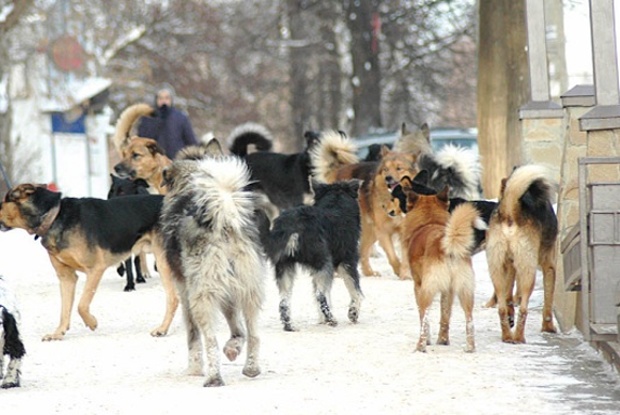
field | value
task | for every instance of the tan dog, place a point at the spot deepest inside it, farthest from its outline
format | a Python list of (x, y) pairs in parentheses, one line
[(141, 158), (521, 237), (89, 235), (439, 248)]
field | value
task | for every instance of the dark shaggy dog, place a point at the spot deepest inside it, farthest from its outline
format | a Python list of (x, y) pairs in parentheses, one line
[(125, 187), (214, 251), (88, 235), (521, 237), (10, 341), (322, 238), (285, 178)]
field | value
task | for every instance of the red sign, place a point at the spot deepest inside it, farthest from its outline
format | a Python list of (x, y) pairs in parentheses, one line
[(67, 54)]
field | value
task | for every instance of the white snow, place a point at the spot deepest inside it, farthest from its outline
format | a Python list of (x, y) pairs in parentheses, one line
[(367, 368)]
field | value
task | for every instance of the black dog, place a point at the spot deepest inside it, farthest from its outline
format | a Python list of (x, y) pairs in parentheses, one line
[(322, 238), (418, 185), (284, 178), (124, 187), (10, 341)]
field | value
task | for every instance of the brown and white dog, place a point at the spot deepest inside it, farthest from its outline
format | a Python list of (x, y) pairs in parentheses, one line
[(439, 248), (520, 239)]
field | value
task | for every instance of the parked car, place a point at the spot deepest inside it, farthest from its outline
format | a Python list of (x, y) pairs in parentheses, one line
[(441, 136)]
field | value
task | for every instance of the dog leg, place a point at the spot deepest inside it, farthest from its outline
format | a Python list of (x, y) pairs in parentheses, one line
[(251, 368), (447, 298), (214, 378), (466, 298), (284, 280), (195, 361), (92, 282), (352, 283), (167, 282), (142, 269), (385, 240), (11, 380), (424, 300), (548, 269), (233, 346), (526, 277), (322, 282), (68, 280), (367, 240), (130, 286)]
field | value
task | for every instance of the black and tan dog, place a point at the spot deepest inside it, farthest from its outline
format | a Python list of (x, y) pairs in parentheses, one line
[(88, 235), (141, 158), (521, 238)]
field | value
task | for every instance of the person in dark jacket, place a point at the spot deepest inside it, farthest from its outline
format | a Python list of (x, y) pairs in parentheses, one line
[(170, 127)]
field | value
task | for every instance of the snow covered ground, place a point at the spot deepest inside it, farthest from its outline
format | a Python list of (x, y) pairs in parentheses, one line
[(367, 368)]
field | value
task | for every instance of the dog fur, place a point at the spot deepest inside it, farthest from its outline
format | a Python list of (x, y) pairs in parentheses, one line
[(11, 344), (439, 246), (334, 159), (124, 187), (88, 235), (284, 178), (521, 237), (456, 167), (323, 239), (141, 158), (213, 247)]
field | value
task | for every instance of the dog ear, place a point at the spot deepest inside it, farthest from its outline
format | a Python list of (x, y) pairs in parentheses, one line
[(384, 150), (167, 177), (214, 148), (412, 199), (353, 187), (20, 192), (312, 138), (403, 129), (426, 132), (154, 148), (443, 195), (422, 177), (502, 186)]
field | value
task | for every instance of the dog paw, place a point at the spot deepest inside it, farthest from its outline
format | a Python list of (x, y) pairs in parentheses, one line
[(353, 315), (470, 348), (129, 288), (140, 280), (232, 349), (159, 332), (214, 381), (289, 327), (421, 347), (548, 328), (53, 337), (251, 371), (8, 385)]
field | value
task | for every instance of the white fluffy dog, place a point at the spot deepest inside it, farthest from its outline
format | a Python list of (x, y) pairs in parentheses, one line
[(213, 248)]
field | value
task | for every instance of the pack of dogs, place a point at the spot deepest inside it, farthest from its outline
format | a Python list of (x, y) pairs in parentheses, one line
[(219, 219)]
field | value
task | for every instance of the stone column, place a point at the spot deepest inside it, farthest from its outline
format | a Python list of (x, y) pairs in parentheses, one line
[(576, 102)]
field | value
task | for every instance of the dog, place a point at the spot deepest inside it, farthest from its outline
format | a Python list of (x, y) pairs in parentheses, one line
[(456, 167), (439, 246), (522, 237), (213, 247), (398, 205), (284, 178), (323, 239), (141, 158), (88, 235), (124, 187), (334, 159), (11, 343)]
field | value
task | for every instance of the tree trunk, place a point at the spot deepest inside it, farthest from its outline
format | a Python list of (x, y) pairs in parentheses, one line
[(503, 87), (366, 77)]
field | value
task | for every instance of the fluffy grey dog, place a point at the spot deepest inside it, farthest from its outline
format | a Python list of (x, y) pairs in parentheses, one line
[(10, 341), (213, 248)]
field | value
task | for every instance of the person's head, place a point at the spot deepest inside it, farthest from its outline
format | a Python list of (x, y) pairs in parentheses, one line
[(164, 97)]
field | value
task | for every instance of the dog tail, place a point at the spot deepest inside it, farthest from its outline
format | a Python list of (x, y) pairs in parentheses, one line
[(249, 133), (459, 239), (126, 125), (529, 189), (221, 196), (333, 151), (466, 167)]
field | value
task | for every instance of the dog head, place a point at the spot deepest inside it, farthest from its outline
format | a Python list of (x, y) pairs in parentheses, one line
[(407, 184), (415, 142), (394, 166), (427, 203), (213, 148), (141, 159), (347, 187), (125, 187), (32, 207)]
